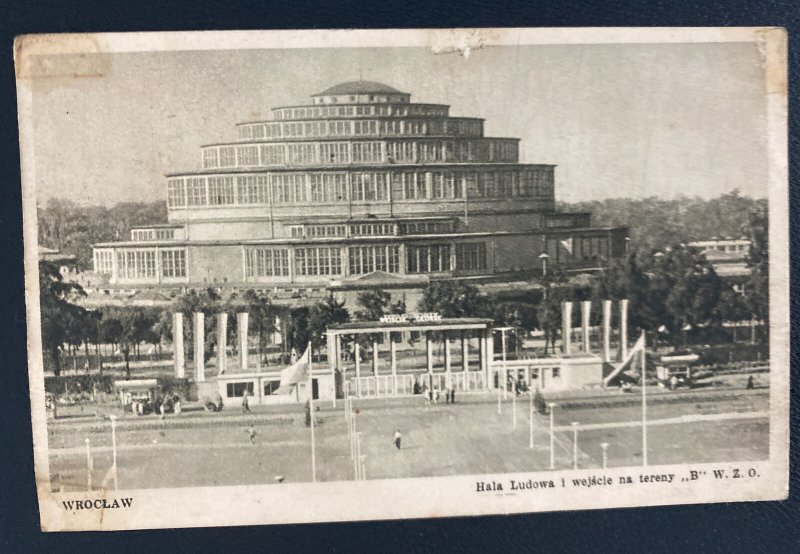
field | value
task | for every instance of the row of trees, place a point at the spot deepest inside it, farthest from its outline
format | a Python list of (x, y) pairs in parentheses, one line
[(654, 223), (669, 290)]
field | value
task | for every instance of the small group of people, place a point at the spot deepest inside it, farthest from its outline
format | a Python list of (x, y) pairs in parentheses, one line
[(433, 395), (159, 406)]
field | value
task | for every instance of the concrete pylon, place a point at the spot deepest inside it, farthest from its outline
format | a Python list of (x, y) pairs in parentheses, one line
[(606, 330), (199, 333), (242, 322), (177, 345), (586, 311), (222, 342), (623, 329), (566, 332)]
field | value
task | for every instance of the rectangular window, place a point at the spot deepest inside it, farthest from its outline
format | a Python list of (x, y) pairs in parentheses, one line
[(266, 262), (252, 189), (288, 188), (104, 261), (136, 264), (366, 259), (173, 263), (367, 152), (302, 154), (236, 390), (220, 191), (471, 256), (322, 231), (328, 187), (227, 156), (428, 258), (318, 261), (248, 155), (210, 158), (176, 196), (368, 187), (196, 191), (272, 154), (334, 152)]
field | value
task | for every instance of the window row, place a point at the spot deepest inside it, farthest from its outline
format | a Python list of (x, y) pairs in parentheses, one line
[(361, 127), (369, 229), (271, 262), (152, 234), (143, 264), (366, 109), (325, 188), (324, 153)]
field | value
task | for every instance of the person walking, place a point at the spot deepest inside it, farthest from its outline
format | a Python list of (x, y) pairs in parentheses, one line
[(246, 401), (453, 395), (252, 432), (397, 438)]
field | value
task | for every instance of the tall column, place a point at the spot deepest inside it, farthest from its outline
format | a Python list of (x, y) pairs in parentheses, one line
[(488, 352), (623, 329), (566, 332), (332, 359), (177, 345), (464, 352), (448, 382), (199, 332), (586, 311), (429, 353), (242, 323), (357, 351), (222, 342), (606, 330), (393, 355), (375, 361)]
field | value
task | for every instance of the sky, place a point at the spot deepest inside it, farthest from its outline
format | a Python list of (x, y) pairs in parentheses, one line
[(632, 120)]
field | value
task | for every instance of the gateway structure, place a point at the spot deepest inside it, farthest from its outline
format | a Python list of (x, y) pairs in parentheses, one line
[(357, 181)]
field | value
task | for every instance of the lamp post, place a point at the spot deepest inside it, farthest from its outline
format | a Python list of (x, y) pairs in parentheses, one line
[(574, 445), (552, 406), (505, 364), (113, 419), (544, 257), (88, 466), (530, 431)]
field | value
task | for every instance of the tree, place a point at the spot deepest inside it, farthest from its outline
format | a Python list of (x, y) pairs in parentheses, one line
[(262, 317), (757, 285), (373, 303), (59, 315), (321, 316), (452, 299)]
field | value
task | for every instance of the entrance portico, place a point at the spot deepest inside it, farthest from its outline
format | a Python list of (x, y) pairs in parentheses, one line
[(401, 380)]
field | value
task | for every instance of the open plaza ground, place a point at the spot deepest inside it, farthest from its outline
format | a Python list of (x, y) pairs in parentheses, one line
[(469, 437)]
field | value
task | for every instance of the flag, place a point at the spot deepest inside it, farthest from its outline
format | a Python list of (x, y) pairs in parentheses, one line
[(638, 348), (567, 244), (295, 373)]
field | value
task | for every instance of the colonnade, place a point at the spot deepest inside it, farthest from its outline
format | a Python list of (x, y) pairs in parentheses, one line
[(199, 337), (586, 307)]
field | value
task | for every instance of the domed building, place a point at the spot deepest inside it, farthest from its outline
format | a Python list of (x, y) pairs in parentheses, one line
[(359, 186)]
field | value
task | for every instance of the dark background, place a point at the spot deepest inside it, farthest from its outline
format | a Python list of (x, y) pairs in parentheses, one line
[(752, 527)]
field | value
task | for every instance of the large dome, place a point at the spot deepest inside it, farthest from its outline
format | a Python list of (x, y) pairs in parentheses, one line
[(358, 87)]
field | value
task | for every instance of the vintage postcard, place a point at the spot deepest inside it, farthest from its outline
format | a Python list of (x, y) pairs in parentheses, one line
[(313, 276)]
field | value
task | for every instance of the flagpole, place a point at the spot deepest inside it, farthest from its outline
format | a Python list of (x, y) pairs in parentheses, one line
[(311, 413), (644, 400)]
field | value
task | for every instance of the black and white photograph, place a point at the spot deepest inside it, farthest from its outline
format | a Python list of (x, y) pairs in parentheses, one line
[(309, 276)]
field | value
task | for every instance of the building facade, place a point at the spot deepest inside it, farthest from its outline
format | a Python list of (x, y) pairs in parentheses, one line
[(359, 181)]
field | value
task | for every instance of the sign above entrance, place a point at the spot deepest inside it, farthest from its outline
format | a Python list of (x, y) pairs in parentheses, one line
[(404, 318)]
